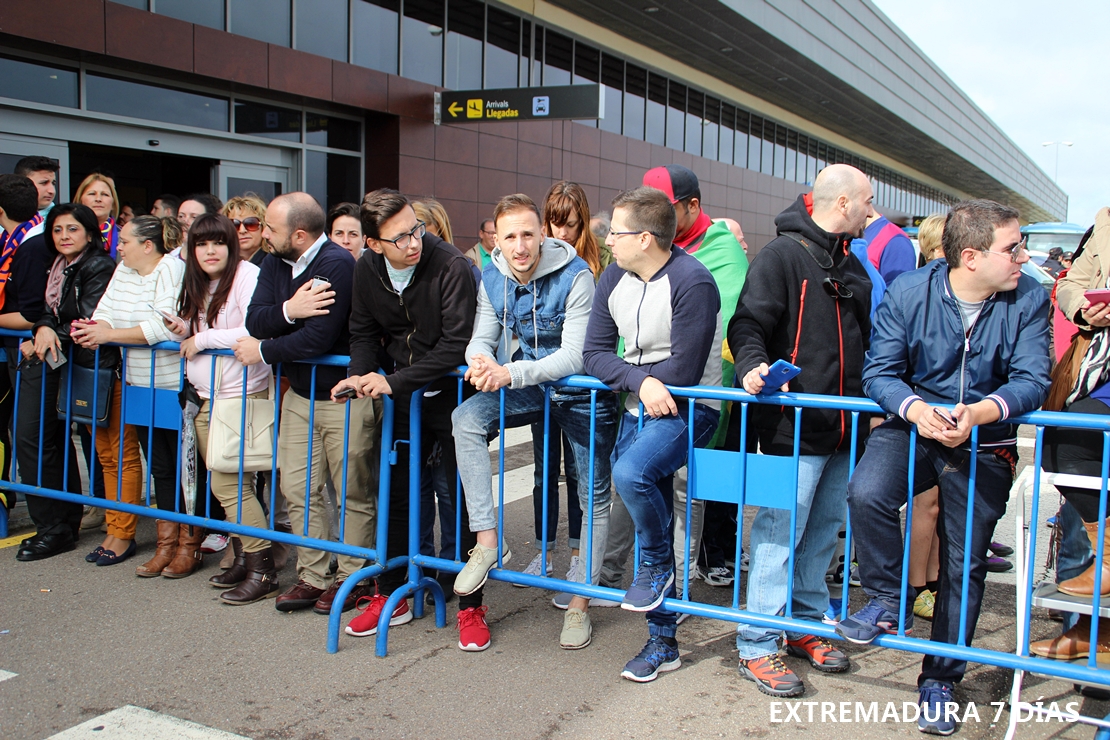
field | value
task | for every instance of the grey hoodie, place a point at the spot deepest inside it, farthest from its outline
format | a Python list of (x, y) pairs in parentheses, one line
[(489, 326)]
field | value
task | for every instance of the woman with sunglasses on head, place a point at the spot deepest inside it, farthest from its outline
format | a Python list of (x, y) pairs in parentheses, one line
[(248, 215), (214, 299), (146, 282), (78, 277), (98, 192)]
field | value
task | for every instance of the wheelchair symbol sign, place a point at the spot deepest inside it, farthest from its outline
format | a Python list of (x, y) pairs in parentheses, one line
[(541, 105)]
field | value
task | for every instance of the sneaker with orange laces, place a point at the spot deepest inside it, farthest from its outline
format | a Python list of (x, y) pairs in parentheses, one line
[(771, 676), (473, 630), (366, 623), (820, 653)]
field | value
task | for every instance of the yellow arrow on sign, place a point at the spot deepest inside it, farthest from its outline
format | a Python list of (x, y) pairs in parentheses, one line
[(455, 109)]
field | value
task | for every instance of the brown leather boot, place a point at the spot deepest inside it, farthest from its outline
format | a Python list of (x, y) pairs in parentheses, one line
[(1076, 642), (163, 553), (189, 557), (234, 575), (261, 581), (1084, 583)]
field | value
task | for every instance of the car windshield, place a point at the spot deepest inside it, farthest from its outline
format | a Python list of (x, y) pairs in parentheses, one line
[(1045, 242)]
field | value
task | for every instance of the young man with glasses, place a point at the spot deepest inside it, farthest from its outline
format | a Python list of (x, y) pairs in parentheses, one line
[(807, 301), (666, 308), (414, 293), (959, 344)]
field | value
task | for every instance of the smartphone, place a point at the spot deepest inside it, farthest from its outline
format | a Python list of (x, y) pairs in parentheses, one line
[(945, 418), (346, 393), (1098, 296), (55, 364), (164, 314), (779, 373), (317, 281)]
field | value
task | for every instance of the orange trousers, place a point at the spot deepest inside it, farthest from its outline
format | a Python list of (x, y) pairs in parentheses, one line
[(131, 473)]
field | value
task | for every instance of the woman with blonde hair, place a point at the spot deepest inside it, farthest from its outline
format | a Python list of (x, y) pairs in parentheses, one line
[(98, 192), (248, 215), (929, 237)]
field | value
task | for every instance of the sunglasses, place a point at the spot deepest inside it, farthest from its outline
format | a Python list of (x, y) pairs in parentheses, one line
[(250, 223), (836, 289)]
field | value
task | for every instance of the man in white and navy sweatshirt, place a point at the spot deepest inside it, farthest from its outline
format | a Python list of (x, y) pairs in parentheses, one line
[(665, 306)]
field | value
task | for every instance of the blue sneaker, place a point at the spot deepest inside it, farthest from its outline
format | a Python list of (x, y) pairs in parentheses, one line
[(656, 657), (648, 588), (832, 614), (870, 622), (934, 698)]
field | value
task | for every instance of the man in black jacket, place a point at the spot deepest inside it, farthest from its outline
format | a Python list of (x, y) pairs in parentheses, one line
[(806, 300), (299, 310), (415, 293)]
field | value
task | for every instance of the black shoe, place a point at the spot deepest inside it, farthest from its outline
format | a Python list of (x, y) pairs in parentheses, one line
[(1092, 692), (46, 546)]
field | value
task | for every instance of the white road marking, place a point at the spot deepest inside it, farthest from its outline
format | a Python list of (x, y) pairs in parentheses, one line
[(5, 675), (129, 722)]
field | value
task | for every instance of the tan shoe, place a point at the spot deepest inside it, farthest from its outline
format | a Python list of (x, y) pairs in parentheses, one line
[(188, 558), (93, 517), (1075, 643), (164, 553), (1084, 583)]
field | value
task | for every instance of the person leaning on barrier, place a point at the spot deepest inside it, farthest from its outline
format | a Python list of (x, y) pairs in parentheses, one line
[(540, 290), (78, 275), (214, 297), (147, 279), (1080, 385), (416, 293), (24, 260), (294, 317), (970, 332), (807, 300), (666, 308)]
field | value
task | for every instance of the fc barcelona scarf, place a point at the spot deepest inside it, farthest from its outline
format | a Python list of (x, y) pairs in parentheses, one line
[(8, 244)]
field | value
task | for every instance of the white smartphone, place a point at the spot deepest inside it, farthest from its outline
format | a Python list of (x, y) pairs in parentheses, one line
[(317, 281)]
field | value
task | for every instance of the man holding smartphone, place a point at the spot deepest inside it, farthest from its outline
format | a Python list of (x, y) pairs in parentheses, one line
[(807, 300), (970, 332)]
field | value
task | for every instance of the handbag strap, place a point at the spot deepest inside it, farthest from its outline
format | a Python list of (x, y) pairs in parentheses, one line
[(270, 389)]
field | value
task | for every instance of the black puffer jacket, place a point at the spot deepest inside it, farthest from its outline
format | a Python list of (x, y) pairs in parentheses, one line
[(82, 288), (785, 312)]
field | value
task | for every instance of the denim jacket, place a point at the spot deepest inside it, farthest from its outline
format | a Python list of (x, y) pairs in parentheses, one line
[(548, 314)]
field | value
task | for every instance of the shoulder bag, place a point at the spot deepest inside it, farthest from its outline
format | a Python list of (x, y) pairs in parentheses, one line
[(232, 427)]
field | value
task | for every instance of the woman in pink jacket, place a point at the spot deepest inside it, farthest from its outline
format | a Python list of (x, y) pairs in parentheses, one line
[(215, 295)]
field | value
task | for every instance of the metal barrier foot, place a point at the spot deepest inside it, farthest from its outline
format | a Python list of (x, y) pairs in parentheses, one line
[(335, 616), (391, 603), (432, 586)]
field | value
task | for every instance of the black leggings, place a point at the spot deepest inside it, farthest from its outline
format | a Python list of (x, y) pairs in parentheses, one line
[(1079, 452), (160, 449)]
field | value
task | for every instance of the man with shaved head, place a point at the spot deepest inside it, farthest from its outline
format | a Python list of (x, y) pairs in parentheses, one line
[(807, 300), (300, 309)]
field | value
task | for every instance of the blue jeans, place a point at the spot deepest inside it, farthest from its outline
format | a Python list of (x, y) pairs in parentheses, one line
[(644, 464), (876, 493), (1074, 554), (478, 417), (822, 492), (554, 459)]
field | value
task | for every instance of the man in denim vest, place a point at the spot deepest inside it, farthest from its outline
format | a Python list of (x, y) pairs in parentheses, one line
[(540, 290)]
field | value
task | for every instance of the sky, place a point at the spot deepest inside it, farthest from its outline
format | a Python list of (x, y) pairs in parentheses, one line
[(1038, 69)]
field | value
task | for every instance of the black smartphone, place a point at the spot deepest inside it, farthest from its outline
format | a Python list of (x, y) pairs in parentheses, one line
[(346, 393), (55, 364), (945, 418)]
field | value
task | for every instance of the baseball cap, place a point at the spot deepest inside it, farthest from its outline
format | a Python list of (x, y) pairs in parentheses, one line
[(678, 182)]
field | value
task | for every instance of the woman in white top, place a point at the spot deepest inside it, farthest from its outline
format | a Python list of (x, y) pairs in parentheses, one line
[(145, 281), (214, 299)]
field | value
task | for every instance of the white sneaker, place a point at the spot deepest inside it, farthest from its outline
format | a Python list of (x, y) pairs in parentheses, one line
[(719, 576), (744, 561), (682, 617), (562, 601), (533, 568), (214, 542), (577, 571)]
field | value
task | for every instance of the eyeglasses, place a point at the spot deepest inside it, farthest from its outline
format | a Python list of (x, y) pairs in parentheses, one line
[(250, 223), (1012, 252), (836, 289), (417, 232), (626, 233), (487, 233)]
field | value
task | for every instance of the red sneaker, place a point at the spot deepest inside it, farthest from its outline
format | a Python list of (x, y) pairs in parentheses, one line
[(366, 623), (473, 630)]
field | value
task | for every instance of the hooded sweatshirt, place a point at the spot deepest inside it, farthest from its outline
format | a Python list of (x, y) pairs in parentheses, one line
[(785, 312), (549, 314)]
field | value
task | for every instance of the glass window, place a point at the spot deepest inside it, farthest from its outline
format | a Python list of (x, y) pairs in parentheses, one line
[(265, 20), (655, 129), (780, 151), (202, 12), (537, 55), (792, 156), (126, 98), (587, 64), (710, 128), (263, 119), (337, 133), (322, 28), (635, 91), (740, 145), (755, 144), (525, 49), (503, 49), (266, 189), (38, 83), (332, 178), (375, 34), (676, 116), (558, 59), (465, 26), (727, 135), (695, 107), (612, 80), (423, 41)]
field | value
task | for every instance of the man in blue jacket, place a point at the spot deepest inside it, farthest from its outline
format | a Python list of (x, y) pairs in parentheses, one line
[(969, 333)]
